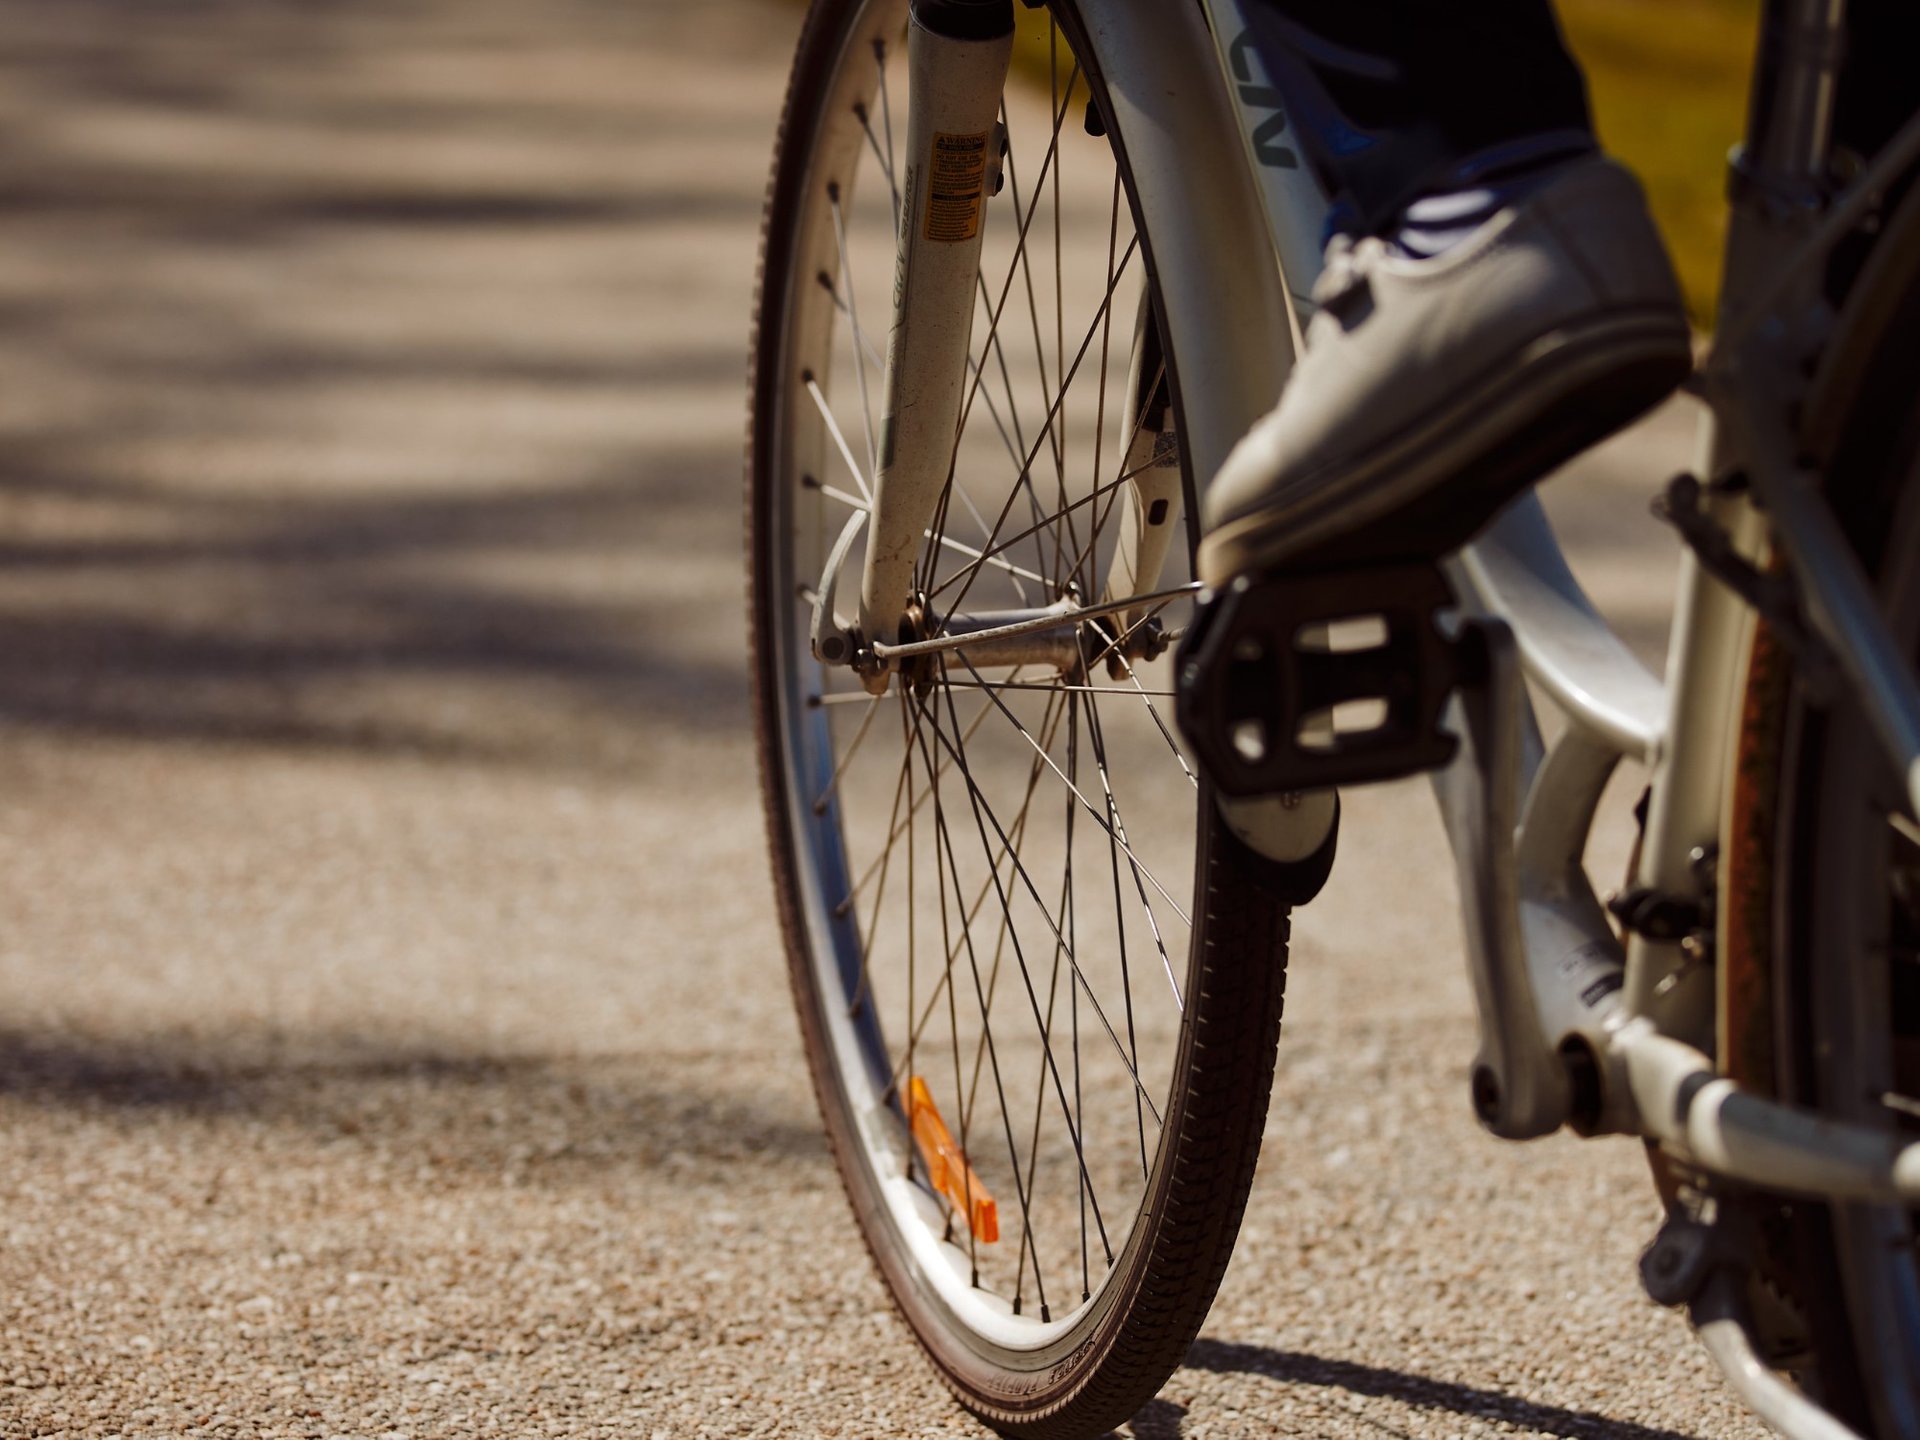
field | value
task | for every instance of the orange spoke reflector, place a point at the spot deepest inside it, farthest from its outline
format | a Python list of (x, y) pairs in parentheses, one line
[(947, 1164)]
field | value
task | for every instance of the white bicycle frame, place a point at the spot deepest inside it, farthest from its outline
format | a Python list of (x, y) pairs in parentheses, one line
[(1561, 995), (1579, 1023), (1551, 974)]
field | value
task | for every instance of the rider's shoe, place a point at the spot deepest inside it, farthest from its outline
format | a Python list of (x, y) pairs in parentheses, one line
[(1434, 390)]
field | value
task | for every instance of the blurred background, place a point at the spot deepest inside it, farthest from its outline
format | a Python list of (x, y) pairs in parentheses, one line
[(1668, 82), (393, 1038)]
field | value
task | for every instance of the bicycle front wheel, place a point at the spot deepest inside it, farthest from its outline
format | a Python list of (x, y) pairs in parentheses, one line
[(1039, 984)]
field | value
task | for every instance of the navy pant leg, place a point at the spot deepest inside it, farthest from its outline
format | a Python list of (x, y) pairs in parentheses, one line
[(1394, 97)]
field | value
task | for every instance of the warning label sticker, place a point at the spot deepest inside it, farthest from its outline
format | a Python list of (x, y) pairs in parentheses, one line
[(956, 187)]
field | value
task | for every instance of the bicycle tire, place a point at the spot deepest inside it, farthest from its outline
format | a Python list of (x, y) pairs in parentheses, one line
[(1844, 1023), (1093, 1365)]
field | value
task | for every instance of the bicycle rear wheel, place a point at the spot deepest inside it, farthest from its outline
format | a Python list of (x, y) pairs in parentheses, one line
[(1006, 897), (1826, 883)]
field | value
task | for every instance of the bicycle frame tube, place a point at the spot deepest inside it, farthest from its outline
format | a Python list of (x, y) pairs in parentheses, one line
[(1545, 962), (1550, 973), (1294, 204), (1779, 172), (1552, 981), (1229, 366)]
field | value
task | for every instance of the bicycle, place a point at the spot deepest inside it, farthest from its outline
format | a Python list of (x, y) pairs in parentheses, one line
[(1045, 1087)]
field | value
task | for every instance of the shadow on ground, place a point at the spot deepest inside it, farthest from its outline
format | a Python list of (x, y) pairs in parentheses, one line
[(1418, 1391), (551, 1120), (356, 400), (426, 626)]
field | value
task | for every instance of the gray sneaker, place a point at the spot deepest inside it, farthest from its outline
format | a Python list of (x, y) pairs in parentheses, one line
[(1433, 391)]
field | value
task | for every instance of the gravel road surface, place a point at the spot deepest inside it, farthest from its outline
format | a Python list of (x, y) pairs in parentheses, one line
[(393, 1036)]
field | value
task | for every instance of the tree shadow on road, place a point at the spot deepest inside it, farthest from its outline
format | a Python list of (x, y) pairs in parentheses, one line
[(328, 337), (434, 627), (549, 1119)]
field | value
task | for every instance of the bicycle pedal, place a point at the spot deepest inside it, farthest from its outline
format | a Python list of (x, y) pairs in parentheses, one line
[(1303, 682)]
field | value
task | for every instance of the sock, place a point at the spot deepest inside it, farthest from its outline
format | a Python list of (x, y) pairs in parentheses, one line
[(1478, 190), (1434, 224)]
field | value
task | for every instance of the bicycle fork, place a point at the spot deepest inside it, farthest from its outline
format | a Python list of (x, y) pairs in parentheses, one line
[(959, 53), (957, 59)]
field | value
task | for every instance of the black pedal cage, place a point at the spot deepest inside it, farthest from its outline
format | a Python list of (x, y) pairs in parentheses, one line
[(1247, 684)]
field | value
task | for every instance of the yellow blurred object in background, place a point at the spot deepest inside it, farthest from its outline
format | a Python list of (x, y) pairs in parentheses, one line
[(1668, 81)]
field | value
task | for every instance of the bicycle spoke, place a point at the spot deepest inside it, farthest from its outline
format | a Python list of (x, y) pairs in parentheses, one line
[(886, 160), (1026, 976), (1049, 725), (1019, 439), (1100, 391), (1073, 1003), (1117, 833), (999, 310), (1108, 488), (993, 413), (1068, 689), (1033, 312), (1060, 298), (886, 119), (853, 318), (1053, 412), (1098, 739), (833, 429), (879, 894), (1088, 804), (913, 927), (1026, 881), (1113, 491), (986, 889), (1008, 850), (1153, 711), (894, 834), (945, 846), (959, 547), (1046, 1038), (874, 357), (840, 766)]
